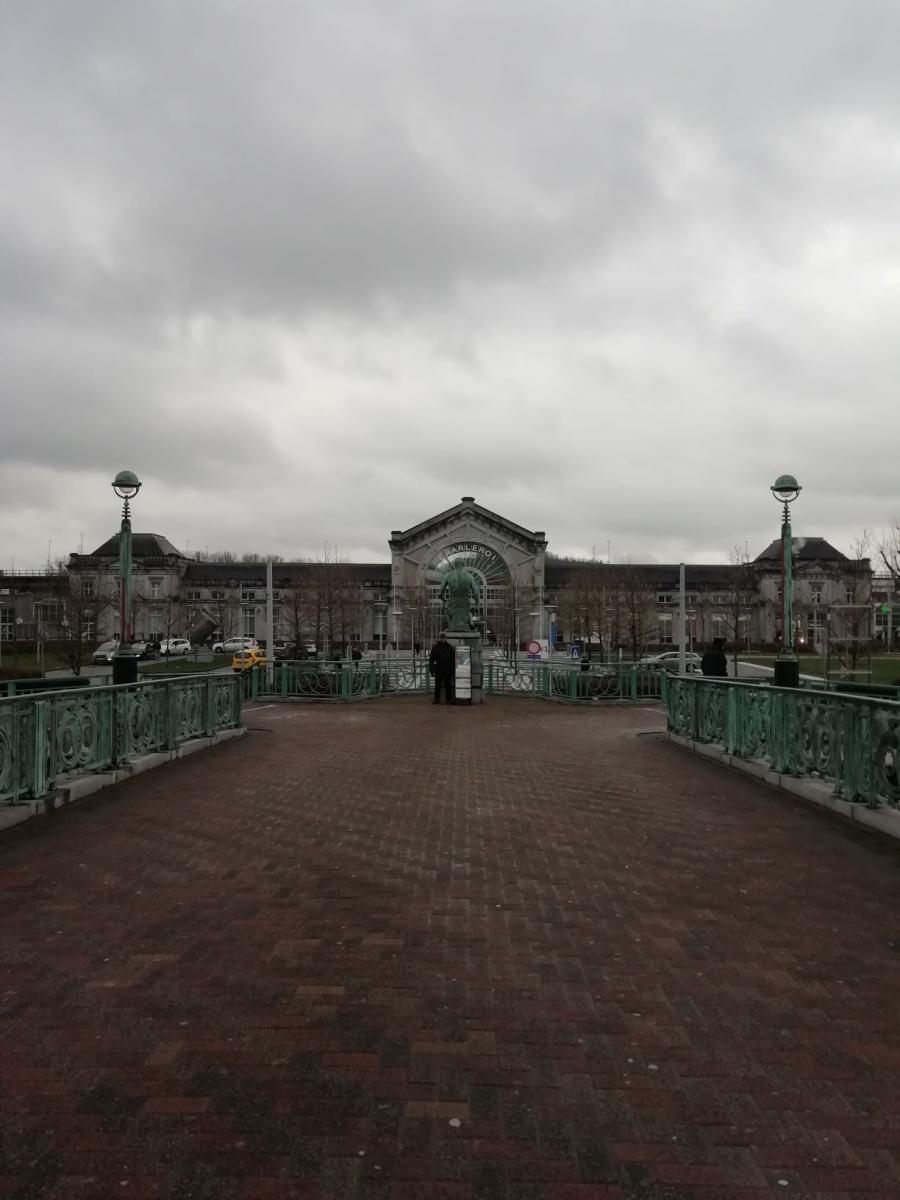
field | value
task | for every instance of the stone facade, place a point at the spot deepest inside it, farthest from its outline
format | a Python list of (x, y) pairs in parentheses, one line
[(524, 593)]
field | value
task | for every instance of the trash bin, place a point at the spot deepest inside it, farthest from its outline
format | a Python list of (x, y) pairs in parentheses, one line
[(125, 668)]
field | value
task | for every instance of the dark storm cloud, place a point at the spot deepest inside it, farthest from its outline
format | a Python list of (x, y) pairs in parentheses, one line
[(610, 268)]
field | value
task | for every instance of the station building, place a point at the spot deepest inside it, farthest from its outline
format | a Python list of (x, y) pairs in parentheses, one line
[(525, 593)]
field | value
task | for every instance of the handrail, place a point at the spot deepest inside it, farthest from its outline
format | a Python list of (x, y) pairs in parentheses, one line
[(851, 741), (49, 737)]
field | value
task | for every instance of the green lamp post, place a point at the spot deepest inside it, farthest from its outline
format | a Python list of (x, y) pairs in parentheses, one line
[(126, 485), (786, 489)]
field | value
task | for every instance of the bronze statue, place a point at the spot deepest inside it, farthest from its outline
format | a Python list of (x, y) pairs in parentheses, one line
[(459, 588)]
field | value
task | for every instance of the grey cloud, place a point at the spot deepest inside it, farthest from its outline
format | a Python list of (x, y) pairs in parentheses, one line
[(647, 254)]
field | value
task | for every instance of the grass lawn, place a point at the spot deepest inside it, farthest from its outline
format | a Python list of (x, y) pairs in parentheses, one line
[(184, 666), (885, 667)]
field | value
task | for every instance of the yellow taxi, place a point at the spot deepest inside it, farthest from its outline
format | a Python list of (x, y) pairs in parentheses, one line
[(245, 659)]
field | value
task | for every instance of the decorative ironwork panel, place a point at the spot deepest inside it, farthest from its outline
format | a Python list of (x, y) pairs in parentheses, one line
[(754, 722), (712, 711), (225, 704), (811, 733), (17, 737), (54, 737), (78, 729), (143, 717), (681, 707), (885, 741)]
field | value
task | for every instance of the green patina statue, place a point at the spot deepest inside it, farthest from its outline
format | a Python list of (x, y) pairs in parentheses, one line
[(459, 588)]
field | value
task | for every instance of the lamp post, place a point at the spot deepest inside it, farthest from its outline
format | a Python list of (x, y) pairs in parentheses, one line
[(126, 485), (786, 489)]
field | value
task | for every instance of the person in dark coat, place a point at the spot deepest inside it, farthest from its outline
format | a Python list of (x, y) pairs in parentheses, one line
[(441, 664), (714, 661)]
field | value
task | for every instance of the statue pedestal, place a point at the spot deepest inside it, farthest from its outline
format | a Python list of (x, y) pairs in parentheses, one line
[(468, 683)]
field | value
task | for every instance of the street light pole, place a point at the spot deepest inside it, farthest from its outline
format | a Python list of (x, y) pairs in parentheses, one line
[(786, 489), (126, 485)]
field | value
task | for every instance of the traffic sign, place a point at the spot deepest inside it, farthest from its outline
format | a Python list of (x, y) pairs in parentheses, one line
[(533, 647), (574, 652)]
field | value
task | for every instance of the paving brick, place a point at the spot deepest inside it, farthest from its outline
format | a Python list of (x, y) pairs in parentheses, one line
[(281, 970)]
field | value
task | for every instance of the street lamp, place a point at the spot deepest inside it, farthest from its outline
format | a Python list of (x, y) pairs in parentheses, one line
[(126, 485), (786, 489)]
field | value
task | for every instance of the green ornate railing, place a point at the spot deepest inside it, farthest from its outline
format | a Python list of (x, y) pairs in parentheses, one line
[(51, 737), (345, 681), (850, 741)]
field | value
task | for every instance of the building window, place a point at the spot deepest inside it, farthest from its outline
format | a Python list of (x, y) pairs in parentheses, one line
[(155, 585), (719, 625), (248, 594), (217, 595), (192, 595), (665, 629), (7, 624), (815, 593), (665, 598), (88, 589)]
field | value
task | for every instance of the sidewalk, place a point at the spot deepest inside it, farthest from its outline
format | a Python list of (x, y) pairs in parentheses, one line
[(391, 950)]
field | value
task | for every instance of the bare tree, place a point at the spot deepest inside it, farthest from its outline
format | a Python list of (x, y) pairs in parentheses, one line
[(634, 608), (72, 611), (858, 608), (889, 551), (333, 605), (742, 597)]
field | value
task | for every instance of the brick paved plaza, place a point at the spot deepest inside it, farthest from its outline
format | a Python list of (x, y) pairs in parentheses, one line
[(523, 952)]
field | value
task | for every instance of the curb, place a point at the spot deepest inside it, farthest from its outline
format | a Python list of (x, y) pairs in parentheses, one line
[(884, 820), (83, 786)]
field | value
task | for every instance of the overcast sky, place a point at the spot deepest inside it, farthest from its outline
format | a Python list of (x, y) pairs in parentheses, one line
[(316, 270)]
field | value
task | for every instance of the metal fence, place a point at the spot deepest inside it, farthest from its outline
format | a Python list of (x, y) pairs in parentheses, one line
[(850, 741), (345, 681), (50, 737)]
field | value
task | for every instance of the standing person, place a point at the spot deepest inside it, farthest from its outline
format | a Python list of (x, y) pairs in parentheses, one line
[(714, 661), (441, 664)]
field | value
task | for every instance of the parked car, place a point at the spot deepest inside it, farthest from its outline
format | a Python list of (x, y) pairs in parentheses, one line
[(245, 659), (233, 644), (144, 649), (169, 647), (669, 661), (105, 653)]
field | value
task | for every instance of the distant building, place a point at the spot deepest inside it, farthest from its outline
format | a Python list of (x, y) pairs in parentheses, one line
[(525, 593)]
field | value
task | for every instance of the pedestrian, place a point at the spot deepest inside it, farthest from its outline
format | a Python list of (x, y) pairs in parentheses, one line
[(417, 648), (441, 664), (714, 661)]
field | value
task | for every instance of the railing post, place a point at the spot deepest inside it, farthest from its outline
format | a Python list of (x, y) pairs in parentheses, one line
[(171, 739), (210, 705), (779, 731), (866, 781), (664, 687), (731, 719), (39, 768), (633, 683)]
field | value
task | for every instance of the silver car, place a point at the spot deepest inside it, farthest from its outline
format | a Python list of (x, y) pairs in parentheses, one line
[(669, 661)]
